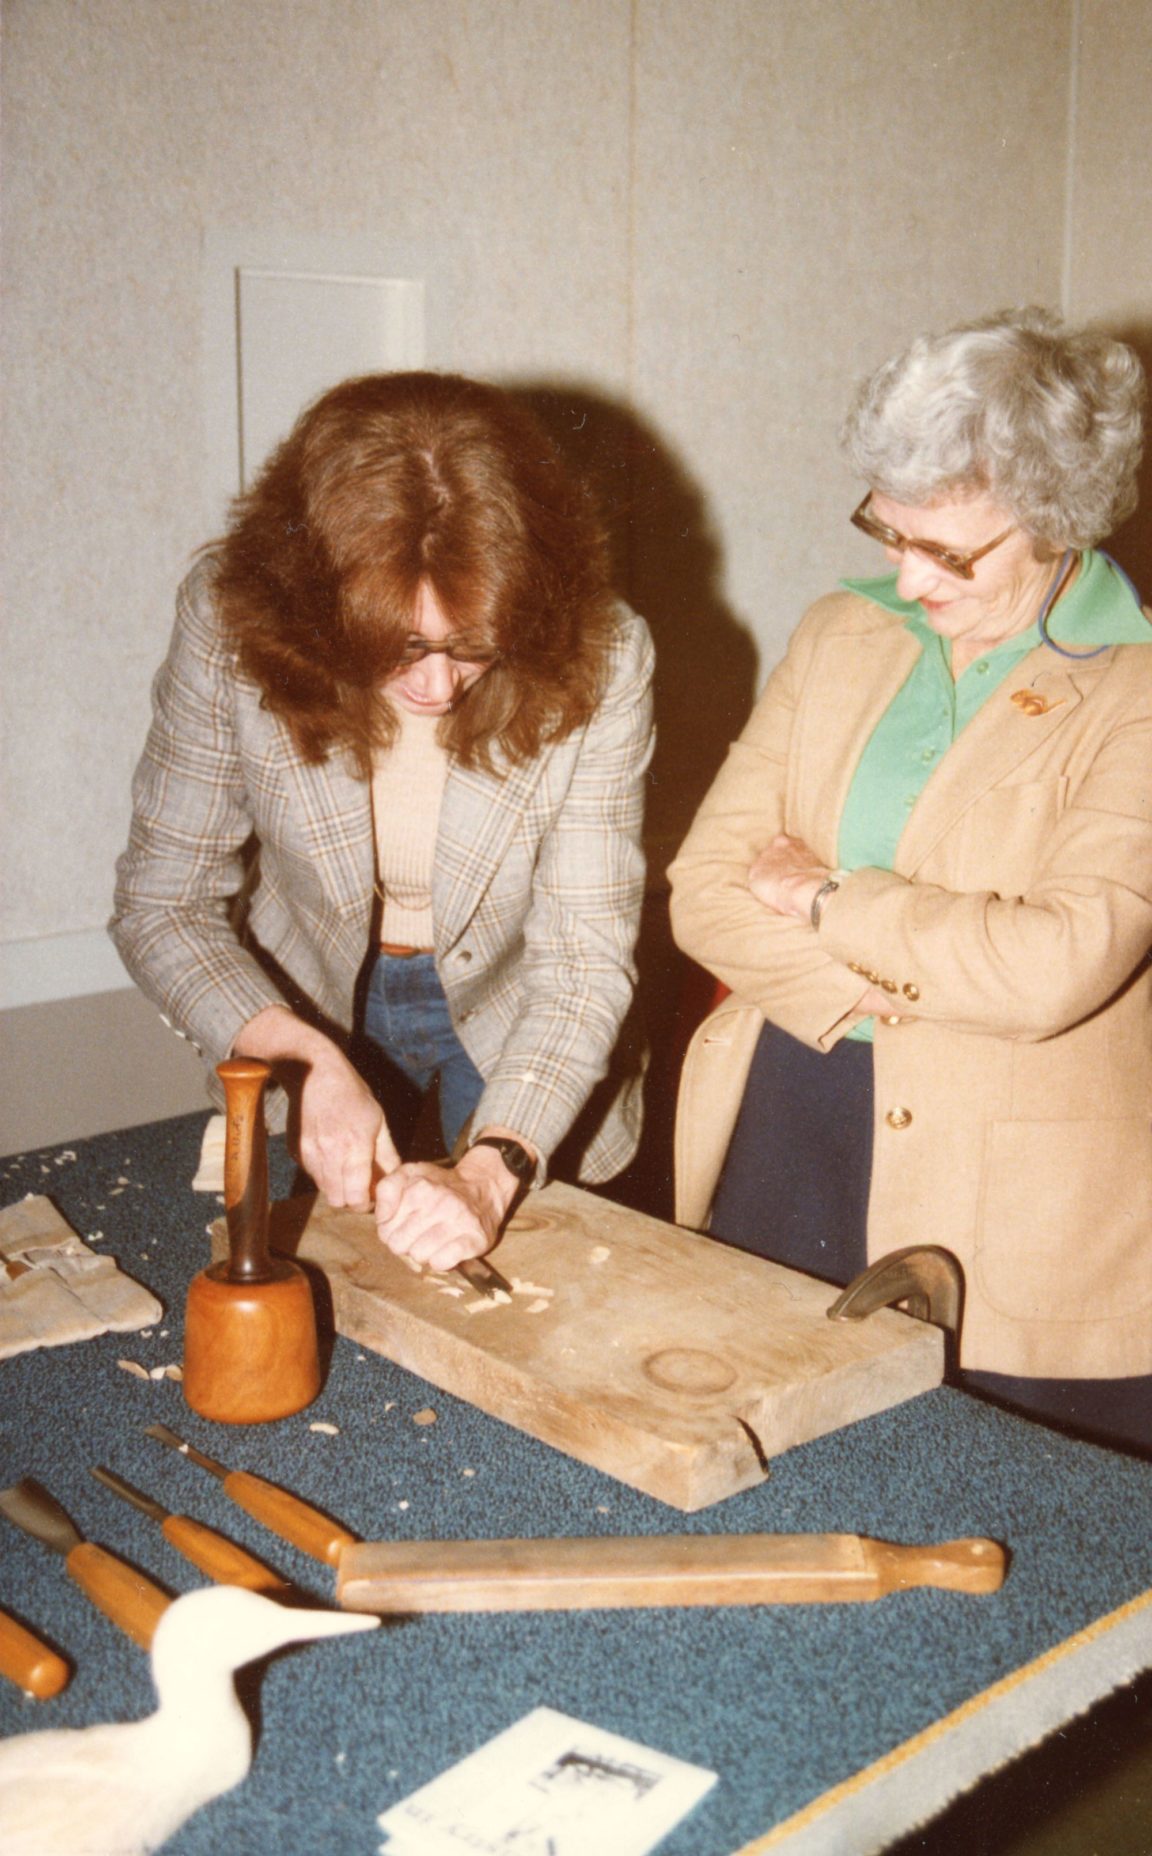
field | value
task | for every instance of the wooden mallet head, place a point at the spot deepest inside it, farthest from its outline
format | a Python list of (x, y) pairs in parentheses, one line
[(250, 1347)]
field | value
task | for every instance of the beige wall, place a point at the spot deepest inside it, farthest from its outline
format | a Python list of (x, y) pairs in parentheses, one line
[(686, 228), (1109, 226)]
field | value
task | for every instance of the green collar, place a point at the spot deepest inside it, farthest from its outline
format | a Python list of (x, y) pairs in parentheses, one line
[(1099, 609)]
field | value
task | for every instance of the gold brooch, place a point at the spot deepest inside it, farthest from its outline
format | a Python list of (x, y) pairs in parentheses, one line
[(1030, 702)]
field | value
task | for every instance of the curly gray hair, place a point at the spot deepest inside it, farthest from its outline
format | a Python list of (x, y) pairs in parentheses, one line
[(1046, 419)]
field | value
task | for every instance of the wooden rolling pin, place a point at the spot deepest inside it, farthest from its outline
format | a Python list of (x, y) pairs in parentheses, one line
[(690, 1569)]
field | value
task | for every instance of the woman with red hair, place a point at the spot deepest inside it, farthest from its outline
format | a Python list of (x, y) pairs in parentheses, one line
[(393, 792)]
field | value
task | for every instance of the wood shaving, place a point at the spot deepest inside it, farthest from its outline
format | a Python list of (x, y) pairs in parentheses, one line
[(401, 1504), (520, 1287), (390, 1404), (173, 1372), (481, 1306), (599, 1254), (326, 1430), (427, 1416), (410, 1263), (449, 1288), (130, 1366), (537, 1308), (467, 1472)]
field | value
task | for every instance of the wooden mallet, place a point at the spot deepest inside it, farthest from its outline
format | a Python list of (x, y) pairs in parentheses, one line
[(250, 1348)]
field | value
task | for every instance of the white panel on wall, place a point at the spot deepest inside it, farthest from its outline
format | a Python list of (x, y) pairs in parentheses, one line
[(286, 315), (298, 332)]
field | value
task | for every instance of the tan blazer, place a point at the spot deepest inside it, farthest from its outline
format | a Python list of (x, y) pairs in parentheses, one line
[(1013, 1117)]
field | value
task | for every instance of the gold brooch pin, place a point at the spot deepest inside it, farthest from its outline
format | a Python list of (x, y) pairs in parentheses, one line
[(1030, 702)]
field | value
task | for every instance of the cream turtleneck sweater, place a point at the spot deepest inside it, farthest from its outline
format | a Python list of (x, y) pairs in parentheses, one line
[(407, 790)]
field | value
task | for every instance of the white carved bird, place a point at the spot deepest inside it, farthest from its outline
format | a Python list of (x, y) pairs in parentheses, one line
[(125, 1788)]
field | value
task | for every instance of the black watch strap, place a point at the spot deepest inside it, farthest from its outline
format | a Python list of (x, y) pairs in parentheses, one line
[(515, 1157)]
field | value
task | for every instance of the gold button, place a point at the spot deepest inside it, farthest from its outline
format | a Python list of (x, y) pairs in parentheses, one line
[(911, 992), (872, 978), (888, 985), (894, 1019), (898, 1117), (855, 967)]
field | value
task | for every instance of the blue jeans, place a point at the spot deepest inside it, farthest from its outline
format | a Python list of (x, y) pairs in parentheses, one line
[(406, 1016)]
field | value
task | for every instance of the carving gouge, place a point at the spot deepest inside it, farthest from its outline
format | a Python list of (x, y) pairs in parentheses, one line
[(694, 1569), (305, 1527), (479, 1275), (214, 1553), (126, 1596), (477, 1272), (28, 1662)]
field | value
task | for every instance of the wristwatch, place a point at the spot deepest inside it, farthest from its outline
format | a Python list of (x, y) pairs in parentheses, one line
[(515, 1157), (827, 888)]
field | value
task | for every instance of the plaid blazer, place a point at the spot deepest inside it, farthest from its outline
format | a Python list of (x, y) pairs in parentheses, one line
[(536, 894)]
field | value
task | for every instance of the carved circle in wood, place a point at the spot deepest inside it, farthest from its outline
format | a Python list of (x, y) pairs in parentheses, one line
[(689, 1369)]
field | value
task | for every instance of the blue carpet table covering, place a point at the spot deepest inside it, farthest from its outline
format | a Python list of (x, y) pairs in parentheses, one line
[(786, 1704)]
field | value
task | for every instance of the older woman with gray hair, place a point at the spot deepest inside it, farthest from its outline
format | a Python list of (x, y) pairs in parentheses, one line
[(925, 875)]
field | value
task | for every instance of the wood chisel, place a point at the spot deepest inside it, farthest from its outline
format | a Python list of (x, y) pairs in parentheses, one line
[(479, 1275), (477, 1272), (692, 1569), (28, 1662), (284, 1514), (128, 1597), (213, 1553)]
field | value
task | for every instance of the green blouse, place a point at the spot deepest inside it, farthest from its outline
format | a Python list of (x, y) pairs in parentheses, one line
[(929, 710)]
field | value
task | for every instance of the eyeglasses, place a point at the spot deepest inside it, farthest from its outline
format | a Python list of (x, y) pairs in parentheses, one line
[(458, 650), (960, 564)]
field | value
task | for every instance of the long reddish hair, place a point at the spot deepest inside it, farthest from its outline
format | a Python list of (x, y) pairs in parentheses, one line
[(388, 481)]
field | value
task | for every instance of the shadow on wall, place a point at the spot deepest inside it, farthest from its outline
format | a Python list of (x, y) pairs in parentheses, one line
[(668, 567), (1132, 544)]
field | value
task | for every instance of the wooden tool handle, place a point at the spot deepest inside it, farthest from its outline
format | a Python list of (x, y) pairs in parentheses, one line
[(245, 1167), (119, 1591), (28, 1662), (705, 1569), (972, 1565), (219, 1557), (288, 1516)]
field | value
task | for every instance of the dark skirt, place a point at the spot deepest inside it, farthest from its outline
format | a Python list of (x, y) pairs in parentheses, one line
[(795, 1188)]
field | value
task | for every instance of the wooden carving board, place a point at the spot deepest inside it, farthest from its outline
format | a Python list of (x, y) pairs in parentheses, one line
[(677, 1365)]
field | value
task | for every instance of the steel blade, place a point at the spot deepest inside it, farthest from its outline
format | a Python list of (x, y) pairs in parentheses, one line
[(164, 1435), (128, 1493), (30, 1507)]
